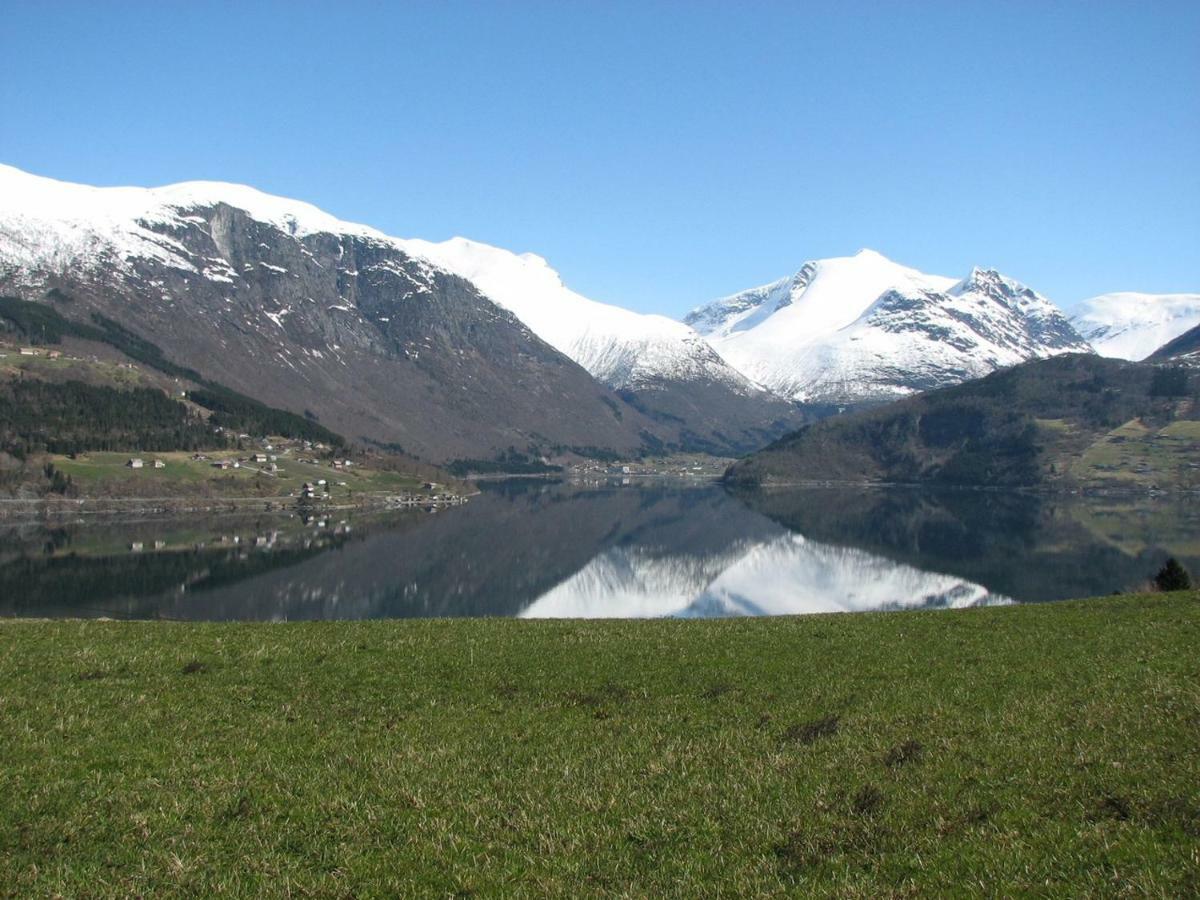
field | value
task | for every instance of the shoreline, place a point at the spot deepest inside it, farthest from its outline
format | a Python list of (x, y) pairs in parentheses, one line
[(1043, 490), (13, 509)]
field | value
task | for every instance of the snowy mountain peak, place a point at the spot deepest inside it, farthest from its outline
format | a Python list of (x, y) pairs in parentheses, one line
[(993, 284), (826, 294), (55, 225), (46, 198), (1129, 325), (863, 327)]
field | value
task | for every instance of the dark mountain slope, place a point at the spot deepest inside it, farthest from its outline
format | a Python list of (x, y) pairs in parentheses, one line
[(1185, 348), (1064, 421)]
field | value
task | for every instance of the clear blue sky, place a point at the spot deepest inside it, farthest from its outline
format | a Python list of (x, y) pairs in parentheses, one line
[(658, 154)]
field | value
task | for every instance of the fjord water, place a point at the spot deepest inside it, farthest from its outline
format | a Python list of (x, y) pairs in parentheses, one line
[(538, 549)]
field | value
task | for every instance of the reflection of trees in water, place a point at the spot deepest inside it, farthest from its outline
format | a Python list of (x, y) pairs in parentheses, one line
[(1032, 547), (133, 585)]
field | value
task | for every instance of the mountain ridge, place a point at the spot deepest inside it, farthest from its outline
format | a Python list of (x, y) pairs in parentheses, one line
[(380, 344), (660, 384)]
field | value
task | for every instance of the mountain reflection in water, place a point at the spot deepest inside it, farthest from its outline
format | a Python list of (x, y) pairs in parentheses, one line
[(537, 549)]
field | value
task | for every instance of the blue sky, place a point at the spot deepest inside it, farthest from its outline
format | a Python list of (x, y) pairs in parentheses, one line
[(657, 154)]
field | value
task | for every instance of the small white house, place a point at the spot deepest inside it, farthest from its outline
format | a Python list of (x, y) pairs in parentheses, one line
[(136, 463), (159, 464)]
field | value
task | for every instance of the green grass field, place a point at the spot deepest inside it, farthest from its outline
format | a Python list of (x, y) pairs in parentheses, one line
[(63, 367), (1134, 454), (1039, 751)]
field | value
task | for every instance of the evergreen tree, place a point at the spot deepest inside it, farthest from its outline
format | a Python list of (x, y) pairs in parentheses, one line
[(1172, 577), (1169, 382)]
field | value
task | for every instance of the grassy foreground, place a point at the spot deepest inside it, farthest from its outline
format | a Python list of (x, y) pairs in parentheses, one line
[(1023, 750)]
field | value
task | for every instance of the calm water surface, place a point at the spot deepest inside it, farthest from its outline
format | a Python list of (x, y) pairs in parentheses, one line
[(537, 549)]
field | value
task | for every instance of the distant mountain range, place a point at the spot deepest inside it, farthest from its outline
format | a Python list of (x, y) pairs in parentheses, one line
[(459, 350), (1132, 326), (863, 329)]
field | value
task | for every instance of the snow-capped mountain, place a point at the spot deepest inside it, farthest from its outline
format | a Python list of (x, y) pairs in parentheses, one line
[(622, 348), (1129, 325), (212, 255), (663, 366), (296, 308), (863, 328)]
